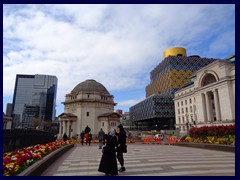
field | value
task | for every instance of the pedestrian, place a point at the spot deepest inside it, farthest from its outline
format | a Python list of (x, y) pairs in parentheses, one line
[(101, 134), (89, 138), (87, 130), (86, 138), (82, 137), (108, 163), (65, 137), (121, 146)]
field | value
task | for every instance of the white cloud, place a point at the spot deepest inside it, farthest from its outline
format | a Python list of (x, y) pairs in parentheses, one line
[(115, 44), (130, 102)]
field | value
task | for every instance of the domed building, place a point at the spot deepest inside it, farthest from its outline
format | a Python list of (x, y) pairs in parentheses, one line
[(89, 104)]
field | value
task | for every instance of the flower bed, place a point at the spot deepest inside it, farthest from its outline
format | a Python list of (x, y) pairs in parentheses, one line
[(211, 134), (17, 161)]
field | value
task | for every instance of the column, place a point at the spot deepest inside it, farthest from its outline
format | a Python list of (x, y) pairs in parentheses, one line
[(67, 128), (216, 103), (64, 127), (60, 130), (208, 107), (204, 107), (70, 127)]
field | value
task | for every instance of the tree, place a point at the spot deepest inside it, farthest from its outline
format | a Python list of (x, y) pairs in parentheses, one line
[(36, 122)]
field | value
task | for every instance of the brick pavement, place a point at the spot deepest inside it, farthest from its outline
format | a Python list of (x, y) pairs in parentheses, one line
[(147, 160)]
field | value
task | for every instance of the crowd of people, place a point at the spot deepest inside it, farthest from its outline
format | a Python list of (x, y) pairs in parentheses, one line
[(113, 145)]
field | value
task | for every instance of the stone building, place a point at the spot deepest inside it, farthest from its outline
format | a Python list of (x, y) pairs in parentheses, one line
[(208, 98), (88, 104), (157, 110), (7, 122)]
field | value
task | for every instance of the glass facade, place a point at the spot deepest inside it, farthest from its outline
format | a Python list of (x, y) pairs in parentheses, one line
[(34, 99), (157, 110)]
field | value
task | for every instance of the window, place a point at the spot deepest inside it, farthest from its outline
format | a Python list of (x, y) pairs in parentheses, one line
[(192, 118), (182, 110), (208, 79), (87, 113), (103, 124), (182, 103), (179, 119), (183, 128), (185, 102), (190, 101), (178, 104), (178, 111), (186, 110), (213, 106), (183, 119), (190, 108), (88, 95), (194, 99), (180, 129)]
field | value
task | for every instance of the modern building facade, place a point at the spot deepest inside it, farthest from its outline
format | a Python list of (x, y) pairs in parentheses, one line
[(88, 104), (34, 98), (157, 110), (208, 98)]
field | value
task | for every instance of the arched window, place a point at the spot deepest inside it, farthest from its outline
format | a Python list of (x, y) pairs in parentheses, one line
[(208, 79)]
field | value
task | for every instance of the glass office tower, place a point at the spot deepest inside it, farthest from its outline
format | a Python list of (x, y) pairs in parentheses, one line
[(34, 100)]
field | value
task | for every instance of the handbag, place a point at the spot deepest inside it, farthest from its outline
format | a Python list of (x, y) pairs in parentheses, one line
[(125, 148), (104, 148)]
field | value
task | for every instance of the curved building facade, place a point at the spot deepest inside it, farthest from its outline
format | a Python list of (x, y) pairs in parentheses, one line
[(157, 110), (88, 104)]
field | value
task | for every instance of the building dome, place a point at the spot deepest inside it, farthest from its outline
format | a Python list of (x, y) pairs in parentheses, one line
[(90, 86)]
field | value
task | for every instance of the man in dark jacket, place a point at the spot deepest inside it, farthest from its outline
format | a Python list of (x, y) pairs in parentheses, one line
[(101, 134), (82, 137), (121, 146)]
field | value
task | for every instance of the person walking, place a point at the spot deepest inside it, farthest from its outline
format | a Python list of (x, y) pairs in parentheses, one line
[(82, 137), (87, 129), (121, 146), (86, 138), (101, 134), (65, 137), (108, 163), (89, 138)]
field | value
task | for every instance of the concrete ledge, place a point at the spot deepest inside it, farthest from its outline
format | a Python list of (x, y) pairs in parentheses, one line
[(218, 147), (40, 166)]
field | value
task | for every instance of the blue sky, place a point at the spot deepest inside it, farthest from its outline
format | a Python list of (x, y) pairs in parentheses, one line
[(117, 45)]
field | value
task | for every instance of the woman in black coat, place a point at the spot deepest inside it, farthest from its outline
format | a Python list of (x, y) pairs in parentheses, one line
[(121, 146), (108, 164)]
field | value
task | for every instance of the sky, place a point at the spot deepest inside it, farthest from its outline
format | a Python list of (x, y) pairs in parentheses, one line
[(117, 45)]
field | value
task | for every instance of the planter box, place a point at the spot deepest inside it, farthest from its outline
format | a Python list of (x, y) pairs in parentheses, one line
[(40, 166), (218, 147)]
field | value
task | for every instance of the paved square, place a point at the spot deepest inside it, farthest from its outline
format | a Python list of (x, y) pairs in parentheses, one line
[(147, 160)]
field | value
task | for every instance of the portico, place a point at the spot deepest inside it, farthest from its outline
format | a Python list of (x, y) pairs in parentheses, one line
[(211, 95), (67, 122)]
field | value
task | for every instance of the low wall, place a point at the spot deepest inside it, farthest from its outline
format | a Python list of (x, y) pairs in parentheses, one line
[(218, 147), (40, 166), (19, 138)]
